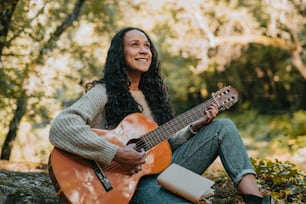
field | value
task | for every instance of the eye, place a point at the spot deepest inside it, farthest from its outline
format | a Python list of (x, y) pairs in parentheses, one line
[(135, 44), (147, 45)]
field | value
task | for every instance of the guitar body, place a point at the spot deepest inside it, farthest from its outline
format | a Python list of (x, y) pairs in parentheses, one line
[(76, 182)]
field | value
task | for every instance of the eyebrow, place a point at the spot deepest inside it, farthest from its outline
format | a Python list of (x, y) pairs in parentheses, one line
[(136, 40)]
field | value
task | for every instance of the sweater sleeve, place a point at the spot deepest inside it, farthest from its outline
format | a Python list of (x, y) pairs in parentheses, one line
[(180, 137), (71, 129)]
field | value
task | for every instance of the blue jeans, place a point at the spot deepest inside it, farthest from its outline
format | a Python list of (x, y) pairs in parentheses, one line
[(220, 138)]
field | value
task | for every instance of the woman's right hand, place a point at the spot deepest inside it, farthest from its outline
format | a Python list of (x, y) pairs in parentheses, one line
[(131, 159)]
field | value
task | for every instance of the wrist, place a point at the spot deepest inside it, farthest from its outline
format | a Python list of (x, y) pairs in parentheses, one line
[(191, 129)]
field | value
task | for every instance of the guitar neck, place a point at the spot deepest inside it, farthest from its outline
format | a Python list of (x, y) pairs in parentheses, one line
[(224, 98), (167, 129)]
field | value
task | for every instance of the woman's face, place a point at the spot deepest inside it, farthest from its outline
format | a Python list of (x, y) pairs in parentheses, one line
[(137, 53)]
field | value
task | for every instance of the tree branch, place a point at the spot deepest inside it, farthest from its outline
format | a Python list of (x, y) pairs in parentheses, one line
[(16, 34), (50, 44), (260, 39)]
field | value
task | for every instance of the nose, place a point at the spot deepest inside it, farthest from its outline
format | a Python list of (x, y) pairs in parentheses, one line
[(144, 50)]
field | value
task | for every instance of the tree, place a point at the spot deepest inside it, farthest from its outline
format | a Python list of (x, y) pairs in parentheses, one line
[(22, 97), (225, 27), (212, 39)]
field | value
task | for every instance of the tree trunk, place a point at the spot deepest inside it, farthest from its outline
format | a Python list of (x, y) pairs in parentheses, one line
[(13, 127)]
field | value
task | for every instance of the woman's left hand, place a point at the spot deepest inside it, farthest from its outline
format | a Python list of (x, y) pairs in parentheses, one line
[(209, 115)]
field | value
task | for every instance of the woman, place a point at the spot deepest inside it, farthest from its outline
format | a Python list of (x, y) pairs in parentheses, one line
[(132, 83)]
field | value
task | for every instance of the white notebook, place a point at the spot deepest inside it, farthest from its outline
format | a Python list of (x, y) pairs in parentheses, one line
[(186, 183)]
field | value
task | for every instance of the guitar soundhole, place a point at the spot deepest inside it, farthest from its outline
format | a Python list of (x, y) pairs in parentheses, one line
[(140, 144)]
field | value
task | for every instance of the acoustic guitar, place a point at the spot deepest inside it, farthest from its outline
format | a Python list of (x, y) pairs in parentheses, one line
[(78, 180)]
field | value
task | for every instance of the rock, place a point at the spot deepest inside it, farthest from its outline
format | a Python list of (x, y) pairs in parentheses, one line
[(29, 183), (26, 188)]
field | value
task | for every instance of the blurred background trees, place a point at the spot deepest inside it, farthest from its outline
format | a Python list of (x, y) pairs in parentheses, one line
[(50, 49)]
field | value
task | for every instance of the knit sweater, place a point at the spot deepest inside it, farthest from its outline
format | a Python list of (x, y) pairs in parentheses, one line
[(71, 129)]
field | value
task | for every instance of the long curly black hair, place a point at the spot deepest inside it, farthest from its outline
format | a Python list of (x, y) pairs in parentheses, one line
[(120, 101)]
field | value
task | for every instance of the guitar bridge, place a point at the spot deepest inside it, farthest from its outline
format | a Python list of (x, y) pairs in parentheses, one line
[(101, 176)]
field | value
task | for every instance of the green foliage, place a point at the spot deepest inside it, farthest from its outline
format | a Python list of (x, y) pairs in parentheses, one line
[(283, 131), (282, 179), (264, 79)]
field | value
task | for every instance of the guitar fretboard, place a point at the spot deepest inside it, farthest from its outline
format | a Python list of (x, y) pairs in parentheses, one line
[(167, 129)]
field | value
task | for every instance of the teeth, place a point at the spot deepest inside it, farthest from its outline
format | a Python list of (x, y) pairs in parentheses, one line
[(142, 60)]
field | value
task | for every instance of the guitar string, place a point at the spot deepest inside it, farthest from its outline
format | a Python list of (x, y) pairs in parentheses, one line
[(141, 145)]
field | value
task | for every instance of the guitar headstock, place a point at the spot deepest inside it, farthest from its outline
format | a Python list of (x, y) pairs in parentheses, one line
[(225, 97)]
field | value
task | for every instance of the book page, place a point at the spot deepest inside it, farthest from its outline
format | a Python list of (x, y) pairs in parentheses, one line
[(185, 183)]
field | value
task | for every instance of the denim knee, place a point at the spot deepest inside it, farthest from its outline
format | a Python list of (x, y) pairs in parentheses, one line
[(226, 127), (227, 123)]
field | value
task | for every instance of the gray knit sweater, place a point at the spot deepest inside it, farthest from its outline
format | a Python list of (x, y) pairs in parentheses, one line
[(71, 129)]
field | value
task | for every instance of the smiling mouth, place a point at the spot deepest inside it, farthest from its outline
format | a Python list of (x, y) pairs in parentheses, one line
[(142, 60)]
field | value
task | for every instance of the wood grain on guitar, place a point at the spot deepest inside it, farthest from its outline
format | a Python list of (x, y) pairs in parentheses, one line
[(78, 180)]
